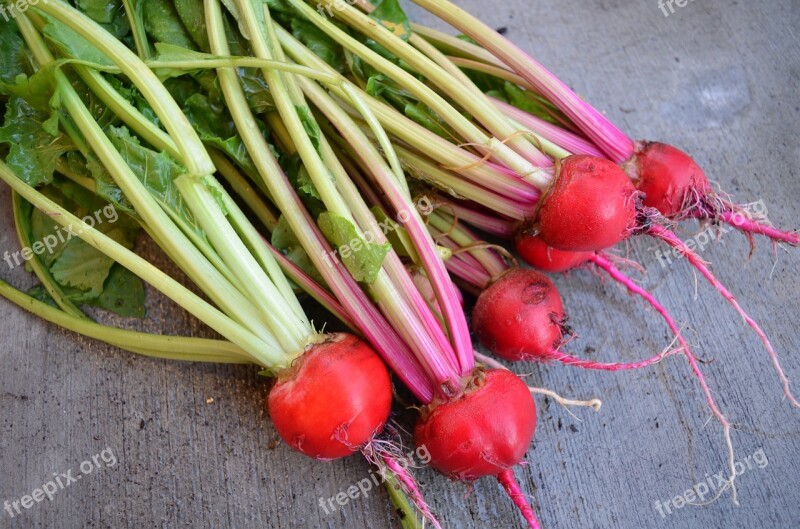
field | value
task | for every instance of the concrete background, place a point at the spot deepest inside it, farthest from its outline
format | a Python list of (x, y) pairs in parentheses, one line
[(718, 78)]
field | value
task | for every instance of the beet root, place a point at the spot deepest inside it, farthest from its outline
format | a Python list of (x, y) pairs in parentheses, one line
[(483, 432), (333, 399), (590, 206)]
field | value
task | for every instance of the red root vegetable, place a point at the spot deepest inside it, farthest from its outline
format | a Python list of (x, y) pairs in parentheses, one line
[(333, 399), (544, 321), (591, 205), (675, 185), (521, 317), (484, 432), (541, 256)]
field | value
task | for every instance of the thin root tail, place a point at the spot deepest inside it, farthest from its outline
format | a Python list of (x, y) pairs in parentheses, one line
[(665, 235), (512, 488)]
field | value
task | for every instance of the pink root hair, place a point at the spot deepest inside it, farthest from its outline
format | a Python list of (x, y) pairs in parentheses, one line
[(659, 232), (605, 264), (385, 454)]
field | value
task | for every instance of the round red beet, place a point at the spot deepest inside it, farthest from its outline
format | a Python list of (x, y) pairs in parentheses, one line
[(333, 400), (669, 178), (520, 316), (590, 206), (539, 255), (484, 432)]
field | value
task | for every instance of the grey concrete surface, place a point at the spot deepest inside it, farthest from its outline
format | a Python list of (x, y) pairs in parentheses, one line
[(718, 78)]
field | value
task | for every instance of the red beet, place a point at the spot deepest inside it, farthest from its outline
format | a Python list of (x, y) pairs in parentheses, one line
[(539, 255), (670, 179), (591, 205), (333, 399), (484, 432), (677, 187), (520, 316)]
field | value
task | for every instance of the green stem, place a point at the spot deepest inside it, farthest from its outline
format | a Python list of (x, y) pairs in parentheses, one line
[(409, 518), (177, 124), (47, 280), (447, 77), (292, 333), (137, 28), (468, 130), (169, 237), (258, 350), (437, 148), (349, 293), (417, 329), (241, 186), (158, 346)]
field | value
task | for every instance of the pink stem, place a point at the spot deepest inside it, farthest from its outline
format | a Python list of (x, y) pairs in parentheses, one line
[(377, 170), (491, 223), (671, 239), (311, 287), (594, 124), (510, 485), (563, 138)]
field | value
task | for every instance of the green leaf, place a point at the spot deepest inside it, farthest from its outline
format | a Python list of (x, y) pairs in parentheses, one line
[(83, 267), (392, 17), (256, 90), (420, 113), (300, 179), (319, 42), (164, 25), (530, 103), (193, 16), (74, 263), (216, 127), (14, 58), (72, 44), (123, 294), (284, 239), (381, 86), (100, 11), (362, 259), (57, 248), (109, 14), (33, 149), (40, 293), (41, 227), (157, 171), (310, 125), (135, 98), (396, 234)]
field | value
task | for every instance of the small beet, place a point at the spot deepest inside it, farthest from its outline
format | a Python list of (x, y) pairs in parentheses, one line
[(484, 432), (520, 316)]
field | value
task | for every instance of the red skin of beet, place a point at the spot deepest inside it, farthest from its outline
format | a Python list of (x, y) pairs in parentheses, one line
[(539, 255), (484, 432), (590, 206), (669, 178), (333, 399), (520, 316)]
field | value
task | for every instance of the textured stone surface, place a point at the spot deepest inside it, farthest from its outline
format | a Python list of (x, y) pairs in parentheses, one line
[(718, 78)]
